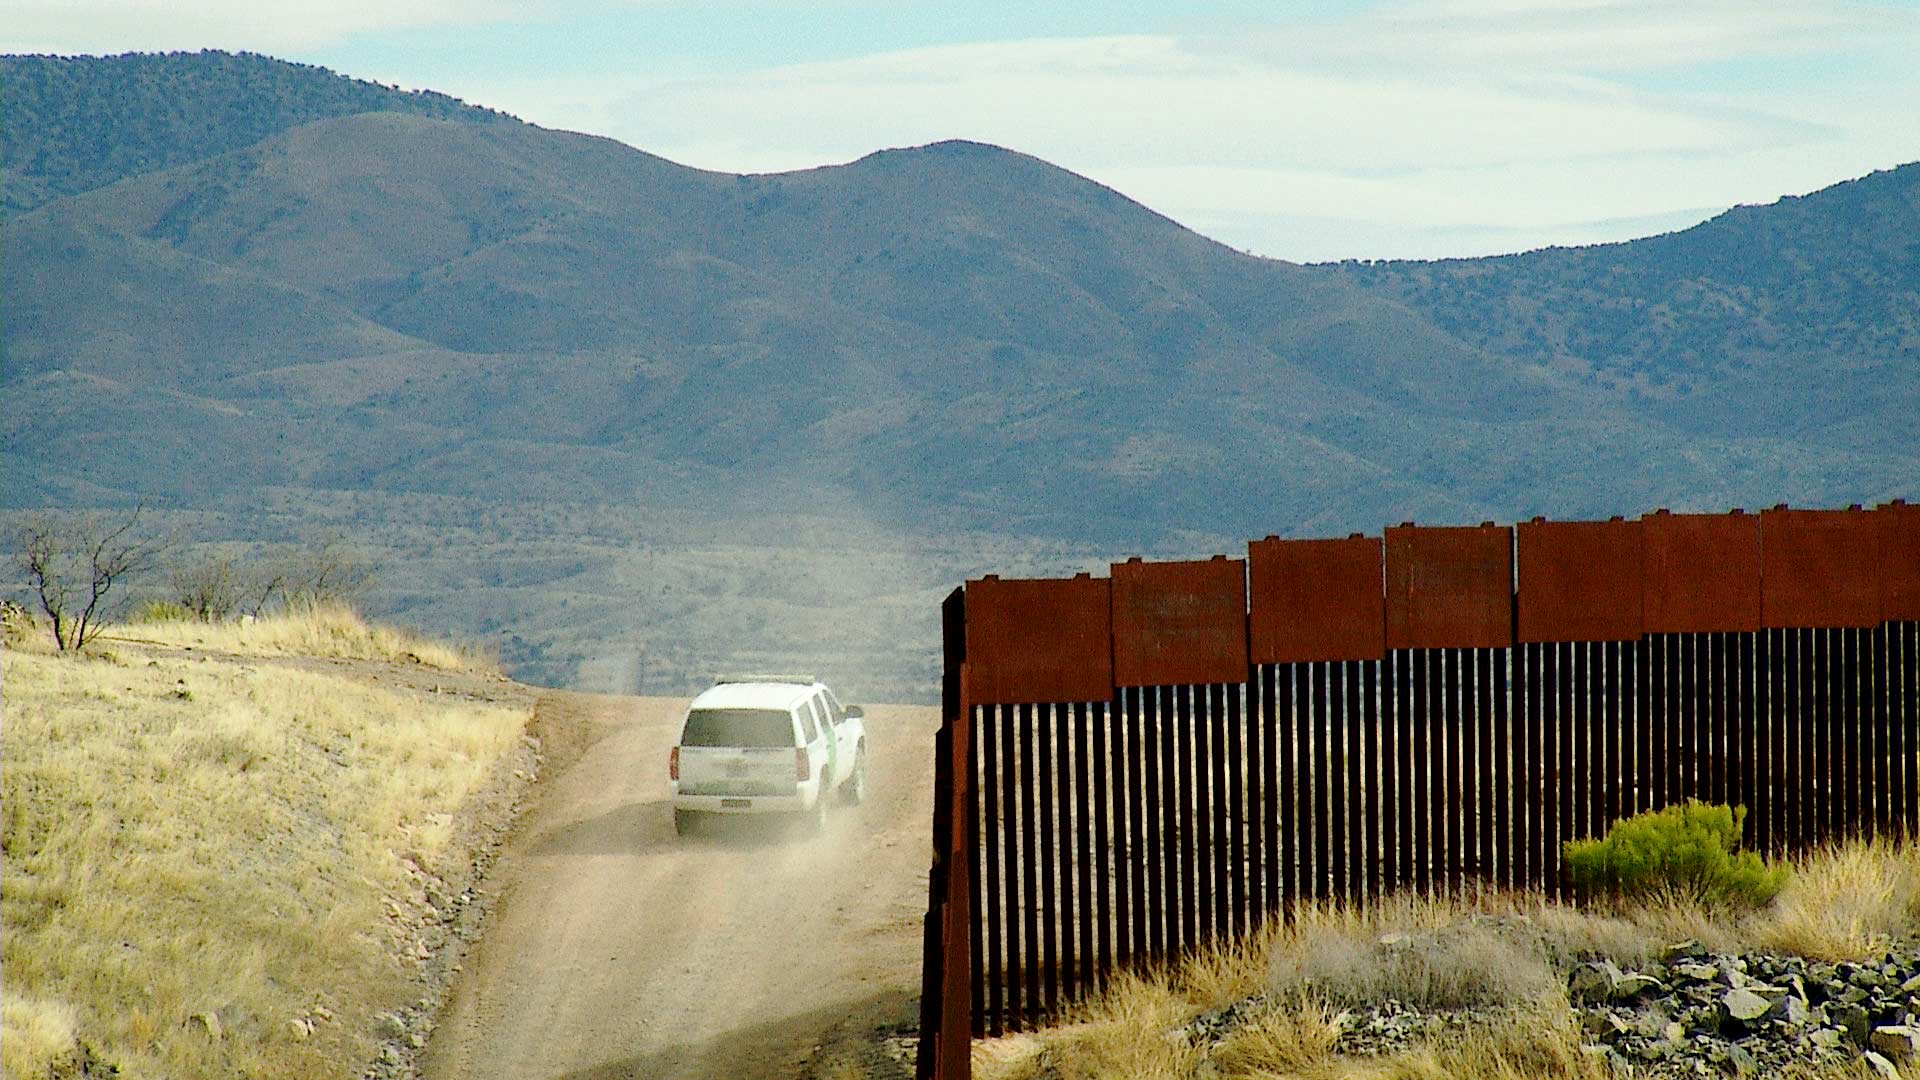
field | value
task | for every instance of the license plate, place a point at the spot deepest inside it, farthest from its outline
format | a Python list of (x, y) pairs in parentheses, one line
[(736, 804)]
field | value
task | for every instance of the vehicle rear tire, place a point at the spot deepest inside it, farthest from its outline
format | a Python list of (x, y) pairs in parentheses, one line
[(854, 791), (817, 817)]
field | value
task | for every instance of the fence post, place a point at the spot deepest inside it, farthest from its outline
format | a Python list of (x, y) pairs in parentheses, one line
[(946, 976), (956, 1029), (936, 931)]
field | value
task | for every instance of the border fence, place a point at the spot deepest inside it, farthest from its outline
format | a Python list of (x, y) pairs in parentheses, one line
[(1134, 766)]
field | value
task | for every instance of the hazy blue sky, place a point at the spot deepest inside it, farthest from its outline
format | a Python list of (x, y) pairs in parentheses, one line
[(1409, 128)]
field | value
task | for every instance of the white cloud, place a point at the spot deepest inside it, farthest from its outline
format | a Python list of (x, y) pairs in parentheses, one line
[(1311, 215), (1606, 35), (1139, 101), (1274, 149), (1158, 101)]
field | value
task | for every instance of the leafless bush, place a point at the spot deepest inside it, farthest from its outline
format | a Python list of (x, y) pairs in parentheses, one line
[(210, 588), (328, 570), (214, 587)]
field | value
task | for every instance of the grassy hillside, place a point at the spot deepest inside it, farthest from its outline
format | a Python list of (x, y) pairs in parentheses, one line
[(322, 631), (211, 856)]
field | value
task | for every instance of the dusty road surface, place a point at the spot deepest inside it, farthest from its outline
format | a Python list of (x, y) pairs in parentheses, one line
[(618, 949)]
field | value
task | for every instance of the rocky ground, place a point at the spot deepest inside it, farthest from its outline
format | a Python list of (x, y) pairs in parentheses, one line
[(434, 924), (1689, 1014), (1696, 1014)]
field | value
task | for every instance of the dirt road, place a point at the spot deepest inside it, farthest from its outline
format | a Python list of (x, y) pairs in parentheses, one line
[(617, 949)]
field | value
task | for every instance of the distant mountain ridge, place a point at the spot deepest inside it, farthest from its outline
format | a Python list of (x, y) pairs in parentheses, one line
[(418, 303), (1819, 285), (77, 123), (907, 295)]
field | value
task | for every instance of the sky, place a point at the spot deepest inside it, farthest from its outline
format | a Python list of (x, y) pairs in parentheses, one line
[(1397, 129)]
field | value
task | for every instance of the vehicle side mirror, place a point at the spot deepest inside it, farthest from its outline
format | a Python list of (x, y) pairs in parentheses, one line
[(855, 712)]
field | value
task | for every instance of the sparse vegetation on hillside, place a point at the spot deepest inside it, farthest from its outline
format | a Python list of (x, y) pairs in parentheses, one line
[(1823, 284), (216, 586), (78, 123), (204, 856), (1501, 960), (331, 630), (623, 599)]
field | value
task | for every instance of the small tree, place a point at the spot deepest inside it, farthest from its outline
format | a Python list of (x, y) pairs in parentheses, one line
[(210, 588), (260, 584), (328, 570), (73, 564)]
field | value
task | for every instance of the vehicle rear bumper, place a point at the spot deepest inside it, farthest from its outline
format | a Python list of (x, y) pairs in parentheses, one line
[(800, 801)]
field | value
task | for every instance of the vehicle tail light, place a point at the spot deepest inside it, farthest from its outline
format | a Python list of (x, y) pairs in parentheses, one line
[(802, 767), (673, 764)]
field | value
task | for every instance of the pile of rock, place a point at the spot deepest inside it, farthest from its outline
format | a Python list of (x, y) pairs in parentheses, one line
[(1694, 1014), (1392, 1026), (1689, 1014), (1362, 1030)]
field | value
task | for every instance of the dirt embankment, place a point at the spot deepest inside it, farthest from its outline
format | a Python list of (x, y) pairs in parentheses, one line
[(229, 863), (617, 949)]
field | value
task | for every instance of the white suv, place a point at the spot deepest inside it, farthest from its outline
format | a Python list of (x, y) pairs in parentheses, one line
[(767, 744)]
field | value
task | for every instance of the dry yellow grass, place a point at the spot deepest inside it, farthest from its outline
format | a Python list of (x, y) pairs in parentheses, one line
[(198, 854), (36, 1033), (1121, 1033), (1294, 1039), (322, 630), (1503, 952), (1846, 902)]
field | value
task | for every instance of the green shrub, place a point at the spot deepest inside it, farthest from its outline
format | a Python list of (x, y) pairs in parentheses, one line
[(1690, 849), (160, 611)]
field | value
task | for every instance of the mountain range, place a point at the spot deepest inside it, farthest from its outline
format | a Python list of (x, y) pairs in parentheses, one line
[(250, 290)]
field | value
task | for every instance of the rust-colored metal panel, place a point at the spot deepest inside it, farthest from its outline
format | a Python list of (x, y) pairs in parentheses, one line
[(1818, 568), (1702, 572), (1039, 640), (1580, 580), (1449, 587), (1313, 600), (1176, 623), (1899, 561), (957, 970)]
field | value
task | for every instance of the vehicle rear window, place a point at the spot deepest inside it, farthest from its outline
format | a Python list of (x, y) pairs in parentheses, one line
[(738, 727)]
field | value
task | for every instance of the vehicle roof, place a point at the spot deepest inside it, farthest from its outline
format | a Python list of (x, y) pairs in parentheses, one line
[(754, 695)]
